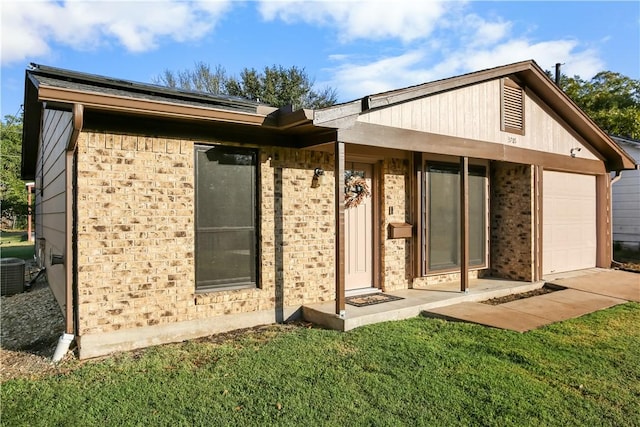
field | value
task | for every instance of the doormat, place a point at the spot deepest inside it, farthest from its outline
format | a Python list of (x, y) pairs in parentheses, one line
[(371, 299)]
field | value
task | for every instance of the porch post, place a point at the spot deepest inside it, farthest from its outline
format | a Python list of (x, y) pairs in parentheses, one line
[(604, 252), (464, 224), (339, 207), (537, 222)]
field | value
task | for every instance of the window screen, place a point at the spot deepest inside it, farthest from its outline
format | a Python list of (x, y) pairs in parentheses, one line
[(443, 216), (226, 217)]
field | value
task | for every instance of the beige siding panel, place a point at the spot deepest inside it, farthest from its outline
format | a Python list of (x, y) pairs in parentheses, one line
[(569, 222), (474, 112), (51, 201)]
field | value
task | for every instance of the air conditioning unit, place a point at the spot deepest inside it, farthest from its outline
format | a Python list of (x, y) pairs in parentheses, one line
[(11, 276)]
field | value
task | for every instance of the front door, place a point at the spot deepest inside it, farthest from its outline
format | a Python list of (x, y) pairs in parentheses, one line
[(358, 219)]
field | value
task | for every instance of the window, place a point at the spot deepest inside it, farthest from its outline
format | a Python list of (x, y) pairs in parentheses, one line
[(512, 107), (441, 230), (226, 217)]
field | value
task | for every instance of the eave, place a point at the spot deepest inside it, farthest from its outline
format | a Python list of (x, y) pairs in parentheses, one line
[(106, 102), (527, 72)]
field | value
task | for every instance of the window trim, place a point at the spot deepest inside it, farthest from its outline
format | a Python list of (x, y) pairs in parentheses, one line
[(507, 105), (424, 204), (257, 215)]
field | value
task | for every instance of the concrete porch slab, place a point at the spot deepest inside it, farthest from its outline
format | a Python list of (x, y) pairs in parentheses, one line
[(528, 313), (496, 316), (414, 303), (614, 283), (587, 291), (562, 305)]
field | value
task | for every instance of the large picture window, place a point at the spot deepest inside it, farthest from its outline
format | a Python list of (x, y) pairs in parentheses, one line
[(442, 223), (226, 217)]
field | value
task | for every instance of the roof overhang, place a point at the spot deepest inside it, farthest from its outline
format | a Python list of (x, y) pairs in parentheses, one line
[(527, 72), (63, 89)]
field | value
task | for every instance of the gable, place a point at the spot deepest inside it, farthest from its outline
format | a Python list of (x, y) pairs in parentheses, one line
[(474, 112)]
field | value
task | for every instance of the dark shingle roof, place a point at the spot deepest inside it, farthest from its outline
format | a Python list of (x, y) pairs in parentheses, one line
[(85, 82)]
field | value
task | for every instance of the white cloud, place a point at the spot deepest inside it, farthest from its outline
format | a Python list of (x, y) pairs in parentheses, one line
[(355, 77), (585, 63), (30, 28), (381, 75), (406, 20)]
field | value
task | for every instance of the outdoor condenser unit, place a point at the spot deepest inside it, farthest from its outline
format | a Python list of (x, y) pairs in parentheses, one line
[(11, 276)]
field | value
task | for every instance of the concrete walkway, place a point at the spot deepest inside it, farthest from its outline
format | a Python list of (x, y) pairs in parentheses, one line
[(585, 292)]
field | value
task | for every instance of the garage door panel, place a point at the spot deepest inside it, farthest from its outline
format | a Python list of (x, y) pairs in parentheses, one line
[(569, 222)]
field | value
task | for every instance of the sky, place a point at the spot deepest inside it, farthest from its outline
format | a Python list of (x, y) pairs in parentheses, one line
[(357, 48)]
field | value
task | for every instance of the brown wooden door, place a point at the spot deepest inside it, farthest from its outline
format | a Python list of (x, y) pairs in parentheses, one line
[(359, 229)]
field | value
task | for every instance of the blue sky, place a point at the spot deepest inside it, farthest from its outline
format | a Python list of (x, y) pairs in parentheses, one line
[(356, 47)]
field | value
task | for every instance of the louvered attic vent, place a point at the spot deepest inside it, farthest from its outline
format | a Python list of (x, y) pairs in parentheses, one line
[(512, 106)]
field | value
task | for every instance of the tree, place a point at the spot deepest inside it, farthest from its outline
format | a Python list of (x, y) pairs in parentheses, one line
[(200, 79), (12, 188), (275, 85), (611, 99)]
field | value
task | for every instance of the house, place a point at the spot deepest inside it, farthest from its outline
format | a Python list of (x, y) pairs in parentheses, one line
[(626, 199), (163, 215)]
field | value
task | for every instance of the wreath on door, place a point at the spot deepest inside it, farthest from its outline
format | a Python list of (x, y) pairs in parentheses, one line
[(356, 189)]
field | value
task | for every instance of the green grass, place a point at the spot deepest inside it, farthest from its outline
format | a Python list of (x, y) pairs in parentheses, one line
[(14, 244), (582, 372)]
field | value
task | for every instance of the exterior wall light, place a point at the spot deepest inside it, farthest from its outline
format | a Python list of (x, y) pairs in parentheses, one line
[(574, 150), (318, 178)]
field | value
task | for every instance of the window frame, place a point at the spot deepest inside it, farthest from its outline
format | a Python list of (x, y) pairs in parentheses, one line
[(256, 283), (425, 249)]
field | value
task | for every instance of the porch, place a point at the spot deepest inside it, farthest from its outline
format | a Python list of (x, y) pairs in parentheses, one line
[(414, 302)]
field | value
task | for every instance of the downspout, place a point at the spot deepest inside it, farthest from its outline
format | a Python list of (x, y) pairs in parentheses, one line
[(69, 256), (615, 179)]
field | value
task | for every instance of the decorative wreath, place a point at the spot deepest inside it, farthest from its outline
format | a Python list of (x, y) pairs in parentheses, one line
[(356, 189)]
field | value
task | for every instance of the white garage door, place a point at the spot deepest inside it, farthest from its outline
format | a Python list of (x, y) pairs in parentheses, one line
[(569, 222)]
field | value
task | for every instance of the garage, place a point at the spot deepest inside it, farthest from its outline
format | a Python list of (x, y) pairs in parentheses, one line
[(569, 222)]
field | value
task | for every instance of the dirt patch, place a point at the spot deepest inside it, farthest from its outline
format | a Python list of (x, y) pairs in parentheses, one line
[(32, 322), (514, 297)]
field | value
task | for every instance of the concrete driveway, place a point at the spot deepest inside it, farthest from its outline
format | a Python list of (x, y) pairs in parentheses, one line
[(585, 292)]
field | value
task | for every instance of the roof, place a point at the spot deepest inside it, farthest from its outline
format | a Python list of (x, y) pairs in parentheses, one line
[(83, 82), (629, 143), (526, 72), (62, 89), (65, 89), (625, 140)]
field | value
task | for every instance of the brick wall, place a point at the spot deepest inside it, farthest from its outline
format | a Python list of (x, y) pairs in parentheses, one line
[(395, 253), (136, 234), (511, 248)]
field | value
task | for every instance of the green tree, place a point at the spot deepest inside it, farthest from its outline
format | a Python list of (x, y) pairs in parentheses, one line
[(201, 79), (276, 85), (12, 188), (611, 99)]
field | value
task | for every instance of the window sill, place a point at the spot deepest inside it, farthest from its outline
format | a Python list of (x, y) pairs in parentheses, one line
[(216, 289), (453, 271)]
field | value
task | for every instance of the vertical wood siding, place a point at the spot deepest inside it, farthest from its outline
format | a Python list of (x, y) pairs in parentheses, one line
[(474, 112)]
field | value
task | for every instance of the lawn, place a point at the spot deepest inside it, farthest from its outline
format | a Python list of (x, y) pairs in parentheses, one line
[(582, 372), (14, 244)]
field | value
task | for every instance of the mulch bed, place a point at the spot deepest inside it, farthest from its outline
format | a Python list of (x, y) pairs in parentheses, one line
[(514, 297)]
